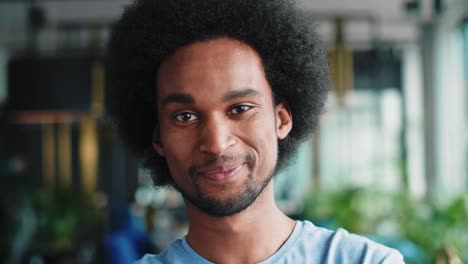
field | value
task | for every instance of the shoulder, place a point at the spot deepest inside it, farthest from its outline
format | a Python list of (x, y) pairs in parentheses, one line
[(174, 253), (149, 259), (340, 245)]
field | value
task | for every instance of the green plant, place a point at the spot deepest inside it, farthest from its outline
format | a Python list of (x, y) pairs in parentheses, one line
[(44, 221), (62, 217), (441, 232)]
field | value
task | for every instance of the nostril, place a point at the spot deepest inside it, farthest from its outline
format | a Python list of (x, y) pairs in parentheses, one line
[(217, 145)]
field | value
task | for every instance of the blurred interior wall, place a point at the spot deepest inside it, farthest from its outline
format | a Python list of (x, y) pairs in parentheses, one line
[(445, 94), (413, 95), (3, 74)]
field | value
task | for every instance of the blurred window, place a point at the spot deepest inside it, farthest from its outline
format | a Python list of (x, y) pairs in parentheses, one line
[(465, 50), (360, 142), (414, 119), (451, 111)]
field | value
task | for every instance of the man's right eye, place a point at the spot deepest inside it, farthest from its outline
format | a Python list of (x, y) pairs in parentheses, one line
[(186, 117)]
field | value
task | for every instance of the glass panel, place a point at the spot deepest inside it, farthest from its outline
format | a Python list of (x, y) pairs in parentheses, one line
[(361, 141)]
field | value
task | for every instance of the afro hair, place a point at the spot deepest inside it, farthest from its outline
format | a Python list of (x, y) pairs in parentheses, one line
[(293, 56)]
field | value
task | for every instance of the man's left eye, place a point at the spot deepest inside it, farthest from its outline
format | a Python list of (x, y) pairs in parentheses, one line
[(240, 109)]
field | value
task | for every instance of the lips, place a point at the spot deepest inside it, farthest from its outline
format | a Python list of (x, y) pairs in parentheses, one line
[(221, 173)]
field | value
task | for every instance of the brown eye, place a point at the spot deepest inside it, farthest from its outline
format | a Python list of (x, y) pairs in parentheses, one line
[(186, 117), (239, 109)]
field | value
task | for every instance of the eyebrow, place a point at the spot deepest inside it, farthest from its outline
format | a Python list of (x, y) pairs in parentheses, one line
[(177, 98), (248, 92), (188, 99)]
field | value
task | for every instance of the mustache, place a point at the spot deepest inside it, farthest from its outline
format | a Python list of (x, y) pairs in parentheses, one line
[(247, 158)]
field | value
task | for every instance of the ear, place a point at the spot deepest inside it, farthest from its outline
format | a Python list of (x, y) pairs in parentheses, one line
[(284, 120), (157, 146)]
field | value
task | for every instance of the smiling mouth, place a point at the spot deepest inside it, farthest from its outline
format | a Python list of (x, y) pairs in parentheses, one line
[(221, 173)]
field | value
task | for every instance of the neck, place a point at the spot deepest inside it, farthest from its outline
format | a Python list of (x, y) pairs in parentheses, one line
[(248, 237)]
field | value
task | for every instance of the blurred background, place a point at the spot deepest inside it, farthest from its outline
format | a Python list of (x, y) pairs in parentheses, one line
[(389, 160)]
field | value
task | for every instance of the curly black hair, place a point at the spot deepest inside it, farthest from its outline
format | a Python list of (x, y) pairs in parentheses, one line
[(292, 53)]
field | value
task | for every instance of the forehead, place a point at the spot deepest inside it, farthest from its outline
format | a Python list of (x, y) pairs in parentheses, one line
[(214, 68)]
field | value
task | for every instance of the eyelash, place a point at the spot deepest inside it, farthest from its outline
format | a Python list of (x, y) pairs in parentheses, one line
[(176, 116), (179, 116), (249, 107)]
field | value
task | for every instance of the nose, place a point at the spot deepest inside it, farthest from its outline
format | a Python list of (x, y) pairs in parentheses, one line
[(216, 136)]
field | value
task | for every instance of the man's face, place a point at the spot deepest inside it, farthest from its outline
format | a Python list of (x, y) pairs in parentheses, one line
[(218, 126)]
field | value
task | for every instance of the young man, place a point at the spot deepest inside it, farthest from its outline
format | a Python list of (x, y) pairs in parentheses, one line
[(215, 96)]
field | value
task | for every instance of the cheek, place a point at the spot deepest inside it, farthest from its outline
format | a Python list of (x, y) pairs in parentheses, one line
[(178, 162), (178, 151), (264, 129), (261, 136)]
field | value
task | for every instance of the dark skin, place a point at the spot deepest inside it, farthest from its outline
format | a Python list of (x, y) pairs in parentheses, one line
[(218, 132)]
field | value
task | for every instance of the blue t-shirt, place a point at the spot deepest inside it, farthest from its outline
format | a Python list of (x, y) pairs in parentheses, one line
[(306, 244)]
